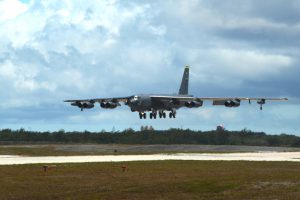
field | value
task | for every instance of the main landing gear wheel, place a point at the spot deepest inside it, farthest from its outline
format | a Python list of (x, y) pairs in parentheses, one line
[(153, 115), (172, 115), (162, 114), (142, 115)]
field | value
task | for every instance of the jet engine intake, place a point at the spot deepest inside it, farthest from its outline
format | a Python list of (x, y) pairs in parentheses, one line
[(232, 103), (77, 103), (87, 105), (109, 105), (193, 104), (83, 105), (262, 101)]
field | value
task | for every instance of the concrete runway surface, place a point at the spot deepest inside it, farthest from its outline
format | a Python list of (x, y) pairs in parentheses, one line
[(254, 156)]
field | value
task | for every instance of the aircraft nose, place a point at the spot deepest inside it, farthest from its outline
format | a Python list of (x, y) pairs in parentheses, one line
[(135, 102), (132, 101)]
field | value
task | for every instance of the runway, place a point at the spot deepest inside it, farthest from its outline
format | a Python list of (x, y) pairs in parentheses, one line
[(255, 156)]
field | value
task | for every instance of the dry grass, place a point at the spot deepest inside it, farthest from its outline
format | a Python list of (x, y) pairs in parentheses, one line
[(34, 150), (58, 150), (153, 180)]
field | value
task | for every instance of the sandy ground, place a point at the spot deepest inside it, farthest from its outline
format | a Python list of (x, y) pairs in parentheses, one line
[(256, 156)]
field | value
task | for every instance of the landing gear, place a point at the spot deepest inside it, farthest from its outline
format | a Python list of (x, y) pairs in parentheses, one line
[(153, 115), (142, 115), (162, 114), (172, 114)]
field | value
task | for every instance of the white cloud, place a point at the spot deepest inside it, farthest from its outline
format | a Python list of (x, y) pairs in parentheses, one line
[(10, 9), (7, 70), (251, 64), (53, 50), (232, 66)]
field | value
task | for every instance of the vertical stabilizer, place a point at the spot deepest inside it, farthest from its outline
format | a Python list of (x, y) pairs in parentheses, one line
[(184, 87)]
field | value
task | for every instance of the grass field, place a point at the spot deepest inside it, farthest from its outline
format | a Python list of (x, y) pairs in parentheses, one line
[(54, 150), (37, 150), (153, 180), (119, 149)]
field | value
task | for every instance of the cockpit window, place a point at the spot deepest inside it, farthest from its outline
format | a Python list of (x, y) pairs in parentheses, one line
[(136, 98)]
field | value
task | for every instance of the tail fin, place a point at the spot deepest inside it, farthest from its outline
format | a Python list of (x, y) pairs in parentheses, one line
[(184, 87)]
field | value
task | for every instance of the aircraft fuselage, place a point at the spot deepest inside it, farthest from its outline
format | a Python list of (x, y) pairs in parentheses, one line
[(158, 104)]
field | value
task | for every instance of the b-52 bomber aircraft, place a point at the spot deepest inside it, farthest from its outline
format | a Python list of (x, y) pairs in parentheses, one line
[(157, 105)]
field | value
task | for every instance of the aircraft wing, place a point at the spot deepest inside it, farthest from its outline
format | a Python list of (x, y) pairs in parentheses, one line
[(222, 100), (177, 100), (214, 99), (190, 101), (99, 100), (109, 103), (167, 97), (242, 98)]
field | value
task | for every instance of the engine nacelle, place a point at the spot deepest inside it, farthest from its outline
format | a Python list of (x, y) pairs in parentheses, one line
[(262, 101), (232, 103), (85, 105), (109, 105), (193, 104), (77, 103)]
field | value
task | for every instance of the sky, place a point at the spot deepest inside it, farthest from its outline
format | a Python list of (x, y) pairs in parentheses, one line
[(71, 49)]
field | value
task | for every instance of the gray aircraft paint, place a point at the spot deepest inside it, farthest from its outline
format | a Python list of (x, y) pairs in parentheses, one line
[(184, 87), (158, 104)]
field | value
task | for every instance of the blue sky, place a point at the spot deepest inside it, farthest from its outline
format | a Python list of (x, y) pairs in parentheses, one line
[(56, 50)]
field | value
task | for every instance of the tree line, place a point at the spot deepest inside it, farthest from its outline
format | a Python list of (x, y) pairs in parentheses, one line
[(147, 135)]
